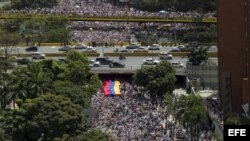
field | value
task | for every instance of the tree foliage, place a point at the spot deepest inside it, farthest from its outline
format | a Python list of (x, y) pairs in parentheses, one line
[(237, 120), (47, 116), (157, 80), (190, 111), (21, 4), (197, 55)]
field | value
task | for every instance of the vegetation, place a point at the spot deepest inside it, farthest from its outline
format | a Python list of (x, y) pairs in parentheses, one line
[(21, 4), (197, 55), (35, 30), (237, 120), (188, 111), (157, 80), (47, 104)]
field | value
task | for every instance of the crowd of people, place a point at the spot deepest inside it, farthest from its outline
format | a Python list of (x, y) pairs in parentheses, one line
[(131, 116), (212, 104), (102, 9), (134, 116)]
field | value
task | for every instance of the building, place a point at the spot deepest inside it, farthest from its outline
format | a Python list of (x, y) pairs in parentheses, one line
[(233, 50)]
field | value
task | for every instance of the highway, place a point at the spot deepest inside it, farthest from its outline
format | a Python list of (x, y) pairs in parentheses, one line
[(132, 63)]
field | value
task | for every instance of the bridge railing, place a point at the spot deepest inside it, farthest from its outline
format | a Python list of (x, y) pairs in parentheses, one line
[(114, 18)]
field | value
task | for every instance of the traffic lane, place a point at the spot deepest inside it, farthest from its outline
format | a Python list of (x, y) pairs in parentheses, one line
[(129, 61)]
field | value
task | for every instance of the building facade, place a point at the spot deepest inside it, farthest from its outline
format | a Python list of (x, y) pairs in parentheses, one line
[(233, 53)]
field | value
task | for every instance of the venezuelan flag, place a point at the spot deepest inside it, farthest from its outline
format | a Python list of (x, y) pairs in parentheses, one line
[(112, 88)]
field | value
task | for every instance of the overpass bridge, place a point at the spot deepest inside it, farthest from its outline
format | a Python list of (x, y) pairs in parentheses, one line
[(5, 16), (128, 70)]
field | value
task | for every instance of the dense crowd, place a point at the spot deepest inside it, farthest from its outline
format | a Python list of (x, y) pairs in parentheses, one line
[(213, 105), (102, 9), (131, 116), (134, 116)]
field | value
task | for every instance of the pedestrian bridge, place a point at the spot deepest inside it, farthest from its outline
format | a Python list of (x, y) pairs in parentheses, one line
[(128, 70), (116, 18)]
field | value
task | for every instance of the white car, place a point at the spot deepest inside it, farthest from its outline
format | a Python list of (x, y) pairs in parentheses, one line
[(93, 63), (150, 61), (165, 56), (141, 49), (177, 64), (90, 49), (38, 55)]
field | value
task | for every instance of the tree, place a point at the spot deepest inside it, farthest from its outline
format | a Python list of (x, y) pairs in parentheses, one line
[(191, 113), (47, 116), (7, 41), (21, 4), (157, 80), (76, 94), (91, 135), (36, 80), (197, 55), (77, 68), (237, 120)]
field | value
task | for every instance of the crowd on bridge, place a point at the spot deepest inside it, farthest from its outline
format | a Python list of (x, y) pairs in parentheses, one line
[(89, 8), (134, 116)]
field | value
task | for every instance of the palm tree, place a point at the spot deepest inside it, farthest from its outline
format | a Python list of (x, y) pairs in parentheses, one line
[(192, 114), (5, 89), (35, 80)]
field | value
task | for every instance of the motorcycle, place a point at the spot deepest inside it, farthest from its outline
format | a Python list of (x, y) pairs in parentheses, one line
[(122, 57)]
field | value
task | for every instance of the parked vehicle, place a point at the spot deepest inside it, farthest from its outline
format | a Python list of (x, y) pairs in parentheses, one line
[(32, 48), (116, 65), (38, 55)]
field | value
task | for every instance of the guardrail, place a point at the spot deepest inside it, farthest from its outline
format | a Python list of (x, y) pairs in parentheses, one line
[(128, 70), (56, 55), (114, 18)]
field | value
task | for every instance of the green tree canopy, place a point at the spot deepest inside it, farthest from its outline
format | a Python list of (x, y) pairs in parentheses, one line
[(197, 55), (157, 80), (21, 4), (48, 116)]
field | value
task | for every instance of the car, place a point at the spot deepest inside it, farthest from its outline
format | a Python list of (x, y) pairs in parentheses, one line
[(175, 49), (165, 56), (38, 55), (154, 47), (132, 46), (141, 49), (23, 61), (80, 46), (64, 48), (150, 61), (32, 48), (182, 48), (116, 65), (93, 63), (177, 64), (103, 60), (123, 50), (90, 49)]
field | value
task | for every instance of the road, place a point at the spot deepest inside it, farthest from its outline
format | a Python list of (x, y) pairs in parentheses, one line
[(130, 62)]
